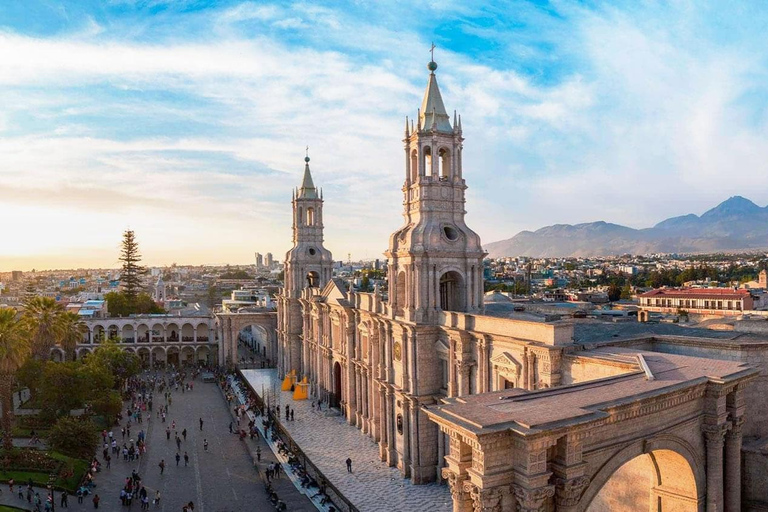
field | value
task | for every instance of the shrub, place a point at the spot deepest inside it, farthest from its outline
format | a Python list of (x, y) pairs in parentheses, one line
[(75, 437)]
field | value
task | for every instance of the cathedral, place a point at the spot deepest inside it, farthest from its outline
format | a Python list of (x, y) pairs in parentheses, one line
[(514, 412)]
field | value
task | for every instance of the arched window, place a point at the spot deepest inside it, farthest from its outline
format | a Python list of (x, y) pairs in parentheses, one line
[(313, 279), (445, 163), (301, 215), (452, 292), (414, 166), (310, 216), (427, 161)]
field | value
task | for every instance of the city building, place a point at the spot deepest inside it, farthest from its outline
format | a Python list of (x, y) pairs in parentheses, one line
[(705, 301), (259, 261), (268, 261)]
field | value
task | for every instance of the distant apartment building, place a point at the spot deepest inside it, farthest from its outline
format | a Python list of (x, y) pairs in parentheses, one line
[(705, 301), (259, 261), (16, 275), (268, 261)]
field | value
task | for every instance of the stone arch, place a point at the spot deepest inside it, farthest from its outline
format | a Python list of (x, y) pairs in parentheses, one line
[(84, 352), (187, 355), (142, 333), (203, 332), (452, 291), (128, 334), (158, 333), (144, 355), (427, 160), (444, 155), (158, 355), (187, 332), (642, 316), (57, 354), (99, 333), (675, 473), (173, 356), (313, 279), (113, 331), (203, 355), (414, 166), (172, 332)]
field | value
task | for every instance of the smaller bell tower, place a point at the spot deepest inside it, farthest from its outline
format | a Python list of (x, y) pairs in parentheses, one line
[(307, 264)]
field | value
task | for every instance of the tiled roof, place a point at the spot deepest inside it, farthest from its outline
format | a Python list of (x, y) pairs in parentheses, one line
[(697, 293)]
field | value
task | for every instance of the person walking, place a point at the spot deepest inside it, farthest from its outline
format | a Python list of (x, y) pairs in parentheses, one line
[(258, 454), (201, 424), (349, 465), (184, 434), (186, 459), (230, 427), (96, 501), (178, 443), (205, 444), (157, 498), (178, 459), (162, 466), (65, 498)]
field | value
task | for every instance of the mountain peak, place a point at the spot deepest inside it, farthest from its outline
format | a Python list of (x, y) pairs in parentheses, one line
[(736, 205)]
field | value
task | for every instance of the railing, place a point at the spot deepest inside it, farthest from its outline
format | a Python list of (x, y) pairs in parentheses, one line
[(337, 497)]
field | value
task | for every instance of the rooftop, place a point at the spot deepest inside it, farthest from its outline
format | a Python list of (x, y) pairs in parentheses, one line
[(530, 412)]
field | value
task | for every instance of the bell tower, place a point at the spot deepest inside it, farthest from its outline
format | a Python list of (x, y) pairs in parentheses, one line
[(307, 264), (435, 260)]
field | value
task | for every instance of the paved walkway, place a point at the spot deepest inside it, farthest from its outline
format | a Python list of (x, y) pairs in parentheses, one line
[(328, 441)]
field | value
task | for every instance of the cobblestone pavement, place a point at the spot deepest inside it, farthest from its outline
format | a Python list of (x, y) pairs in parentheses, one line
[(329, 440)]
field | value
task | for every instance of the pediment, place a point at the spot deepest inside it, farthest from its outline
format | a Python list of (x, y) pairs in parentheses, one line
[(333, 291), (441, 347), (506, 360)]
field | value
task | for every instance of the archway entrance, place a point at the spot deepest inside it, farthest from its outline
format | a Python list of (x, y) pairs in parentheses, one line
[(451, 292), (336, 395), (661, 480)]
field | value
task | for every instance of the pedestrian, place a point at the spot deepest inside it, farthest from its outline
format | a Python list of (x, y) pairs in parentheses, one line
[(230, 427), (178, 443), (157, 498), (349, 465), (186, 459), (79, 494), (96, 501), (184, 434), (167, 433), (291, 414), (162, 466), (258, 454), (201, 424), (178, 459), (108, 458), (205, 444), (21, 492), (287, 413), (65, 498)]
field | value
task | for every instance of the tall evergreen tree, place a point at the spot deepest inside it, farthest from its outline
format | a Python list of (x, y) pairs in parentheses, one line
[(130, 277)]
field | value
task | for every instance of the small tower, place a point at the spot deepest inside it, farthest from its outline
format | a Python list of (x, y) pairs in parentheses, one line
[(435, 260), (307, 264), (160, 290)]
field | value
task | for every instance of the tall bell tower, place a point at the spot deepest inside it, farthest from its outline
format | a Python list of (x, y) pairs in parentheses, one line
[(307, 264), (435, 260)]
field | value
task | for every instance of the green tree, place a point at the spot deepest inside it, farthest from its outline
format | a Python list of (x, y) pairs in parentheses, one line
[(62, 389), (42, 316), (107, 404), (121, 364), (130, 276), (71, 329), (14, 350), (76, 437), (626, 292), (30, 375), (614, 291), (119, 304)]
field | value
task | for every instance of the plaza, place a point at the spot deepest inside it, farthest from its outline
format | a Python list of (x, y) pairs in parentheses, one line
[(327, 440)]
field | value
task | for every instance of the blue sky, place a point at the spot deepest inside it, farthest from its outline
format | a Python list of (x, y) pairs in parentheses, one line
[(187, 120)]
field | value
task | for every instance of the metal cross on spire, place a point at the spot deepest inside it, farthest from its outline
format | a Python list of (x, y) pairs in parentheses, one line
[(432, 51), (307, 151)]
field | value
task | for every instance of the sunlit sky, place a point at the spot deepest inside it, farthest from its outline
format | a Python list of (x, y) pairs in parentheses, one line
[(186, 121)]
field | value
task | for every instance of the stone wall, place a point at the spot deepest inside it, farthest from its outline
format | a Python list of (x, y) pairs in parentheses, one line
[(577, 369)]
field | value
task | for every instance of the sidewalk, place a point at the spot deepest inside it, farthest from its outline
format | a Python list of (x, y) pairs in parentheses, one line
[(329, 440)]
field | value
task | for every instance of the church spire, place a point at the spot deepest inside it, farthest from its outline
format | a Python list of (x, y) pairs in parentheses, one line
[(432, 112), (307, 189)]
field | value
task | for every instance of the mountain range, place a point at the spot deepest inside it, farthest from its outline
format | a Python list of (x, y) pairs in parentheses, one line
[(733, 225)]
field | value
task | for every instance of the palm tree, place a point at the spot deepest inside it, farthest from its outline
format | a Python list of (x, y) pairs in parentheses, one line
[(15, 348), (70, 331), (41, 314)]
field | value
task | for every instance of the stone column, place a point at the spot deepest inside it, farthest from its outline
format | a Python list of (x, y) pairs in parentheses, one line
[(733, 466), (714, 438)]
